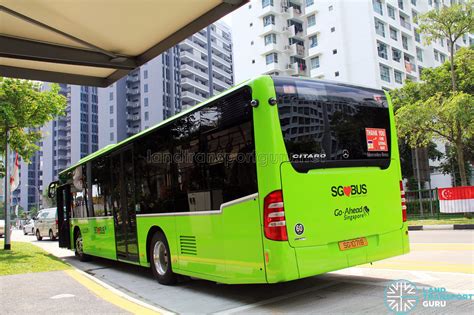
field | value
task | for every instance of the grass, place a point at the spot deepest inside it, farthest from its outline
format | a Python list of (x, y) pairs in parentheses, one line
[(26, 258), (459, 220)]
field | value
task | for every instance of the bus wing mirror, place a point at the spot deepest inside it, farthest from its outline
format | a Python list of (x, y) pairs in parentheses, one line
[(52, 189)]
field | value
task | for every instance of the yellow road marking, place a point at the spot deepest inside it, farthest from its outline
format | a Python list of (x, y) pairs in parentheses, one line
[(109, 296)]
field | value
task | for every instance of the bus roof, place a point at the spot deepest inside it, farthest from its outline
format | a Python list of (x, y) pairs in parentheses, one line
[(124, 142), (111, 147)]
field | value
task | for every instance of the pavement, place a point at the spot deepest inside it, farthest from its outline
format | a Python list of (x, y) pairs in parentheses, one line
[(439, 259), (50, 292)]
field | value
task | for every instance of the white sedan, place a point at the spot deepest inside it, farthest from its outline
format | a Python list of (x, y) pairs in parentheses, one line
[(29, 227)]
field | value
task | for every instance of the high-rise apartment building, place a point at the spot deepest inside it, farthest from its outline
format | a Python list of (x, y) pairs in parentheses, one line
[(375, 43), (146, 95), (186, 74), (69, 138), (368, 42), (206, 65)]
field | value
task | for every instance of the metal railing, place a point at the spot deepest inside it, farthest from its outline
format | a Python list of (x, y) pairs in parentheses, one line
[(424, 204)]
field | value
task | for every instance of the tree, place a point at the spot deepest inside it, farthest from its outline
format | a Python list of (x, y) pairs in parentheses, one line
[(451, 23), (450, 164), (33, 212), (24, 108), (429, 109)]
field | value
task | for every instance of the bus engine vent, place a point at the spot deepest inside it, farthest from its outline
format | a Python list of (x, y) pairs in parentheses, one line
[(188, 245)]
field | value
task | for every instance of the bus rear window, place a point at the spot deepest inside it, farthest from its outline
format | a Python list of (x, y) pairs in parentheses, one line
[(333, 125)]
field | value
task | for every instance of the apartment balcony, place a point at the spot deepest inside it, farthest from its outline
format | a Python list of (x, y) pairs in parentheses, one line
[(198, 47), (222, 84), (269, 48), (133, 104), (222, 61), (62, 128), (133, 117), (310, 10), (187, 83), (269, 9), (190, 96), (187, 69), (405, 24), (271, 28), (296, 50), (274, 67), (296, 69), (296, 32), (222, 71), (286, 30), (294, 14), (313, 30), (187, 57), (133, 91), (132, 130), (133, 78), (200, 37), (222, 50), (314, 51)]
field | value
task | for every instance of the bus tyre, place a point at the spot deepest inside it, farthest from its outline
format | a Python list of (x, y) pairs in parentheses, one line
[(160, 260), (38, 235), (79, 247)]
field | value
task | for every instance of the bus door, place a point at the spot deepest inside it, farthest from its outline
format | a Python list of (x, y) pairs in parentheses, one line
[(63, 199), (123, 204)]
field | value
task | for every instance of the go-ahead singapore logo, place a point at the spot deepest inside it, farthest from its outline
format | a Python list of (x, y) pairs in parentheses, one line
[(401, 296)]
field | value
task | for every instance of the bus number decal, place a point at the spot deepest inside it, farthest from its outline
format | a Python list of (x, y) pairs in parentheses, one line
[(299, 229)]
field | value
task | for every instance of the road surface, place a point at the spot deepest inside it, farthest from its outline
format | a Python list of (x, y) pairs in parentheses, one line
[(438, 259)]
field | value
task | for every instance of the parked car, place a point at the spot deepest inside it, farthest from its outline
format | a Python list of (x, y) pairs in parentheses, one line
[(29, 227), (2, 228), (46, 224)]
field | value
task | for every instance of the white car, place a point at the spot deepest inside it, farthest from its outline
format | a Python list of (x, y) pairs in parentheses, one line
[(46, 224), (29, 227), (2, 228)]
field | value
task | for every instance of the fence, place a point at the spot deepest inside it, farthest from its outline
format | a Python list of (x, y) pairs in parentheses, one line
[(425, 204)]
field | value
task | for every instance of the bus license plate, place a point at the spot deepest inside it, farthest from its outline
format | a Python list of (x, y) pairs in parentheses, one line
[(355, 243)]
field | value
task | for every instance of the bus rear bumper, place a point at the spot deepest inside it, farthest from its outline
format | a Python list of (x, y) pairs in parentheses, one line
[(320, 259)]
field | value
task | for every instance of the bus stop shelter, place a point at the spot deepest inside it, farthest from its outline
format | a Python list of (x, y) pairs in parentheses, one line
[(95, 42)]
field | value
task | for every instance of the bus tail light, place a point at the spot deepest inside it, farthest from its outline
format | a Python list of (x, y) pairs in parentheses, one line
[(404, 205), (56, 224), (274, 217)]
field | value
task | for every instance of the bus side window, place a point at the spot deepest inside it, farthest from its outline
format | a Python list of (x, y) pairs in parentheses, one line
[(100, 182), (153, 188)]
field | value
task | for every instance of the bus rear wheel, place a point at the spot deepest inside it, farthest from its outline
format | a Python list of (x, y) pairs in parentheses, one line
[(160, 260)]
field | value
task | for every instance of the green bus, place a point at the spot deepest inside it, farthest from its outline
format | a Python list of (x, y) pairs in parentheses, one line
[(276, 179)]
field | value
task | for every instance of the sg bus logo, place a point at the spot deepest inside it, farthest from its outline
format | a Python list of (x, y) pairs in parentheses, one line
[(349, 190)]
